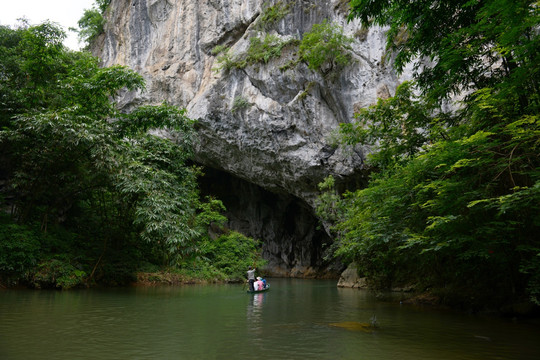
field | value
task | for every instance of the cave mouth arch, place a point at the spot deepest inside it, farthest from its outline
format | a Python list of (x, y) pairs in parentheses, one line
[(294, 244)]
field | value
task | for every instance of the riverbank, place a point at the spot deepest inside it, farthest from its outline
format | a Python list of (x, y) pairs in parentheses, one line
[(462, 299), (157, 278), (172, 278)]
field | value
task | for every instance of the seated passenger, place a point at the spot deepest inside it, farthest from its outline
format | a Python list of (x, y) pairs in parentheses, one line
[(259, 283)]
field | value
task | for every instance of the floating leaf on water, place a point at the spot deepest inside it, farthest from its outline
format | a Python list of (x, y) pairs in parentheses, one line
[(354, 326)]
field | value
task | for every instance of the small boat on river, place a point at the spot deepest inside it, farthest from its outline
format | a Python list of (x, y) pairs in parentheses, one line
[(266, 288)]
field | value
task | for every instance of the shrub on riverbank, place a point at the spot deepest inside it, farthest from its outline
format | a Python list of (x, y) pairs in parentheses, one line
[(229, 256)]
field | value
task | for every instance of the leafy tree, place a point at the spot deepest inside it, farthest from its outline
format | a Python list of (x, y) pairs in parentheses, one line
[(71, 160), (102, 5), (28, 60), (162, 188), (455, 206), (400, 126), (473, 44), (325, 46), (92, 22)]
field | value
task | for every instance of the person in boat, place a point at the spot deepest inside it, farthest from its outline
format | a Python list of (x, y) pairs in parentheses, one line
[(251, 278), (259, 285), (264, 283)]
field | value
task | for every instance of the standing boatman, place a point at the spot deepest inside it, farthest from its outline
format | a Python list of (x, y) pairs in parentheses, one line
[(251, 277)]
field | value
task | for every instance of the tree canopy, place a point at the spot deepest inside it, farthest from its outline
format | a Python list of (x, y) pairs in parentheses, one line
[(472, 44), (454, 202), (92, 22)]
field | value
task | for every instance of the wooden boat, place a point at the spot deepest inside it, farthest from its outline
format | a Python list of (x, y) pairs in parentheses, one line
[(259, 291)]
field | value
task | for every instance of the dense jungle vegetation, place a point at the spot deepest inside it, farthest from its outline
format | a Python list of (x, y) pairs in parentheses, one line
[(453, 204), (90, 194)]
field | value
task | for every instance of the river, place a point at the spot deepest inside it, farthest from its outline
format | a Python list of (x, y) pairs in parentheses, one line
[(295, 319)]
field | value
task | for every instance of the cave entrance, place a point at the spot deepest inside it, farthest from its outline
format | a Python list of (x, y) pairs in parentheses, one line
[(293, 243)]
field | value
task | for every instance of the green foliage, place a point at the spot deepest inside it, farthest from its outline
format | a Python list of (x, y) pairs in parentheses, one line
[(466, 39), (40, 46), (58, 273), (231, 254), (145, 118), (430, 220), (455, 203), (91, 25), (325, 46), (29, 67), (162, 192), (72, 161), (306, 91), (19, 250), (220, 254), (218, 49), (226, 61), (240, 103), (102, 5), (9, 69), (273, 14), (92, 22), (209, 214), (329, 202), (259, 51), (400, 126)]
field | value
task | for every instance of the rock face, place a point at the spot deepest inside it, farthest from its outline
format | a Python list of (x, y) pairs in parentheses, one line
[(350, 279), (266, 125)]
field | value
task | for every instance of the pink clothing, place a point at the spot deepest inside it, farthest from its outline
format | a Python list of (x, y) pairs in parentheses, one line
[(259, 285)]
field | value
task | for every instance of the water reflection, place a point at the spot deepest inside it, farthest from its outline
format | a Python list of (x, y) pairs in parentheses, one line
[(255, 307), (298, 319)]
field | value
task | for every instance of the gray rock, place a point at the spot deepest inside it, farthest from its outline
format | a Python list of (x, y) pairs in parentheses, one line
[(349, 278), (281, 140)]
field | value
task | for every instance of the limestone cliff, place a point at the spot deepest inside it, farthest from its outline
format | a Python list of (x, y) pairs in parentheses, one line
[(264, 128)]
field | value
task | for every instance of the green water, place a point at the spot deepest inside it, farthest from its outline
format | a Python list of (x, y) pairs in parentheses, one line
[(291, 321)]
